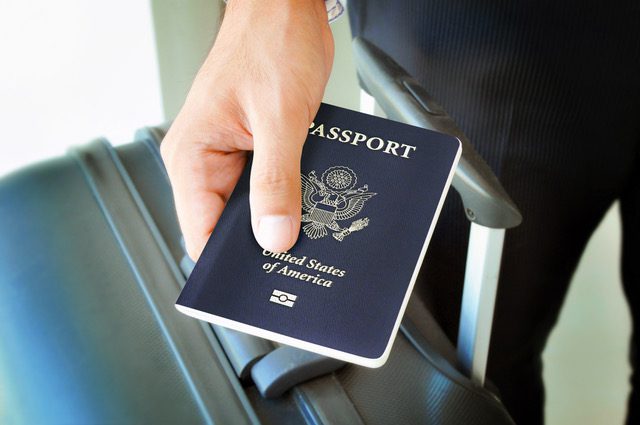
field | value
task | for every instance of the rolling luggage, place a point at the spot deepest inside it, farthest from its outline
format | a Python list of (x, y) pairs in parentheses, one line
[(91, 263)]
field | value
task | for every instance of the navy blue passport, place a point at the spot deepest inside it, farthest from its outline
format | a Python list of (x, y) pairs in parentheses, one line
[(372, 190)]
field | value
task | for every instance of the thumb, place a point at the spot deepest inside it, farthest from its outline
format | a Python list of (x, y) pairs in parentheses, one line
[(275, 195)]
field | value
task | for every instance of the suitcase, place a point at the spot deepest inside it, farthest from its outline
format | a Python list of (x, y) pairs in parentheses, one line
[(91, 263)]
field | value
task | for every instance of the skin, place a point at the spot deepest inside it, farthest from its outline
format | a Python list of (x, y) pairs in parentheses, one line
[(258, 90)]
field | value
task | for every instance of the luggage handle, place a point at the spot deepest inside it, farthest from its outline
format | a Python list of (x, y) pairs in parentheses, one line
[(403, 99), (487, 205)]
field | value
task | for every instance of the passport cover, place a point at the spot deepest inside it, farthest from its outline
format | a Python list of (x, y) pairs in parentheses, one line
[(372, 190)]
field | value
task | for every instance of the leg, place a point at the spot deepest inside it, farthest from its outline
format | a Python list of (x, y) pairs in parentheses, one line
[(550, 98)]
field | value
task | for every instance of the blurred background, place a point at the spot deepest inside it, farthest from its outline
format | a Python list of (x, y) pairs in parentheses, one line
[(72, 70)]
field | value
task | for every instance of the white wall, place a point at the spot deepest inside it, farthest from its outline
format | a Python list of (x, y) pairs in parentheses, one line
[(71, 70)]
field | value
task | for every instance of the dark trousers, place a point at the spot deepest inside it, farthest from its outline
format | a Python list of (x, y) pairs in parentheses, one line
[(549, 94)]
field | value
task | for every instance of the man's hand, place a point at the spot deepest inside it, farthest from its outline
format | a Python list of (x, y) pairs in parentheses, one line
[(259, 89)]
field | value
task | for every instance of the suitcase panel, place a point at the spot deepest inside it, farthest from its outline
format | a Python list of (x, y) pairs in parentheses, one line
[(81, 339)]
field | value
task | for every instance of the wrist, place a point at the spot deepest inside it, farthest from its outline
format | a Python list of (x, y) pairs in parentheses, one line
[(325, 10)]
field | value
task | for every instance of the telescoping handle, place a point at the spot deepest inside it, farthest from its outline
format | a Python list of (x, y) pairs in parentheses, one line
[(487, 205)]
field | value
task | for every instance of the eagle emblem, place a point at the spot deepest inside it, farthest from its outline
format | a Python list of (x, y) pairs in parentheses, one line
[(330, 199)]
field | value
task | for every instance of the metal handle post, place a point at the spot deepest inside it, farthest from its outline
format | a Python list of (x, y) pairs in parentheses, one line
[(478, 299)]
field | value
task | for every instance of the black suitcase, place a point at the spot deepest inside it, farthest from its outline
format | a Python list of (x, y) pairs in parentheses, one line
[(91, 263)]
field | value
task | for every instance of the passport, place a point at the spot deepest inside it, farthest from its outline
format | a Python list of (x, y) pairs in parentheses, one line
[(372, 190)]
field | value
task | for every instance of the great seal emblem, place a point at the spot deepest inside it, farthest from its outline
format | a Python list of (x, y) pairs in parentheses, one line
[(330, 199)]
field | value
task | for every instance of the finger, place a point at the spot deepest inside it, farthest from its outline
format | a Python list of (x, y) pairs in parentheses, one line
[(202, 181), (275, 195)]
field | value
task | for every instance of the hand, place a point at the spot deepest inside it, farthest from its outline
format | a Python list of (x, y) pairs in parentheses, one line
[(259, 89)]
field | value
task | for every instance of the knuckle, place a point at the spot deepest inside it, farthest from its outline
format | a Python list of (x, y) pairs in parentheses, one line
[(193, 250), (193, 253), (274, 182)]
